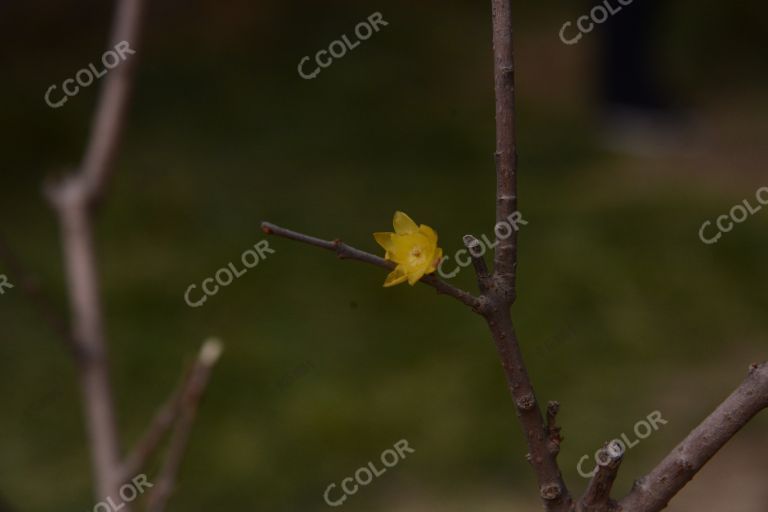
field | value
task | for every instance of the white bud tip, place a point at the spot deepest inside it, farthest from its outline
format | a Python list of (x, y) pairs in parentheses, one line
[(211, 351)]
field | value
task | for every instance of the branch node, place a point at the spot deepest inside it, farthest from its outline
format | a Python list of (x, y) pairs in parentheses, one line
[(526, 402), (550, 491), (553, 431), (597, 497)]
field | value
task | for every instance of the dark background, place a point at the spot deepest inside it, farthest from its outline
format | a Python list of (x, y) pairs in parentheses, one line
[(622, 310)]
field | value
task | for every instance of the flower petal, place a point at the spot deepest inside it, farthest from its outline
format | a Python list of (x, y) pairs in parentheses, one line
[(397, 276), (435, 260), (384, 239), (415, 275), (403, 224), (429, 233)]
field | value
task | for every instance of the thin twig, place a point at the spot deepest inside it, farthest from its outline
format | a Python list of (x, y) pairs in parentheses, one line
[(476, 252), (505, 267), (73, 198), (138, 458), (597, 497), (345, 251), (109, 119), (652, 492), (190, 400)]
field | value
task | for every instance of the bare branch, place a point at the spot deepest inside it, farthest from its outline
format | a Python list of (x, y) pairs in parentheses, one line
[(654, 491), (543, 440), (597, 497), (474, 246), (190, 400), (161, 423), (73, 199), (506, 151), (109, 118), (541, 455), (88, 331), (345, 251)]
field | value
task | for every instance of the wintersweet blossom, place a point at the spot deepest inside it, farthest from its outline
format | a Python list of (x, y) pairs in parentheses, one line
[(413, 248)]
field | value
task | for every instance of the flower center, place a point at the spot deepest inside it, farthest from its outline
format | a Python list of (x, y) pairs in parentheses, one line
[(416, 252)]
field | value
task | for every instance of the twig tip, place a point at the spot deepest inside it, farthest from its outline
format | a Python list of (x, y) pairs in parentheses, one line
[(211, 351)]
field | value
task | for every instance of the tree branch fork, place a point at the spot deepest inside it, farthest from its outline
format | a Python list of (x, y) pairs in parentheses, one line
[(74, 198), (652, 492), (497, 294)]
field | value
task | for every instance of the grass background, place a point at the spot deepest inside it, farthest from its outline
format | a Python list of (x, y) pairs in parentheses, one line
[(622, 309)]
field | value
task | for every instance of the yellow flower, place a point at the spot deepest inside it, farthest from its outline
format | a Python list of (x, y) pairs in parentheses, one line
[(413, 248)]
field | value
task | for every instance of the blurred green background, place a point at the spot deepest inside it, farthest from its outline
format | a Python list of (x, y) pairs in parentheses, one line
[(622, 310)]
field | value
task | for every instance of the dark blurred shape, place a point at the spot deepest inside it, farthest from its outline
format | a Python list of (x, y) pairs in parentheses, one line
[(638, 113), (4, 505), (629, 72)]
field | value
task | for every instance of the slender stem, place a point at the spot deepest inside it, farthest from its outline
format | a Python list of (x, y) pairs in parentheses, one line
[(190, 401), (88, 330), (73, 199), (542, 453), (169, 413), (652, 492), (345, 251), (476, 251), (109, 118), (506, 150), (543, 441), (597, 497)]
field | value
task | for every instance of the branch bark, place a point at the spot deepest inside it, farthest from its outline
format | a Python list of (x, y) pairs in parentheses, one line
[(478, 261), (505, 267), (109, 119), (597, 497), (73, 199), (188, 405), (542, 452), (88, 332), (191, 388), (653, 492)]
